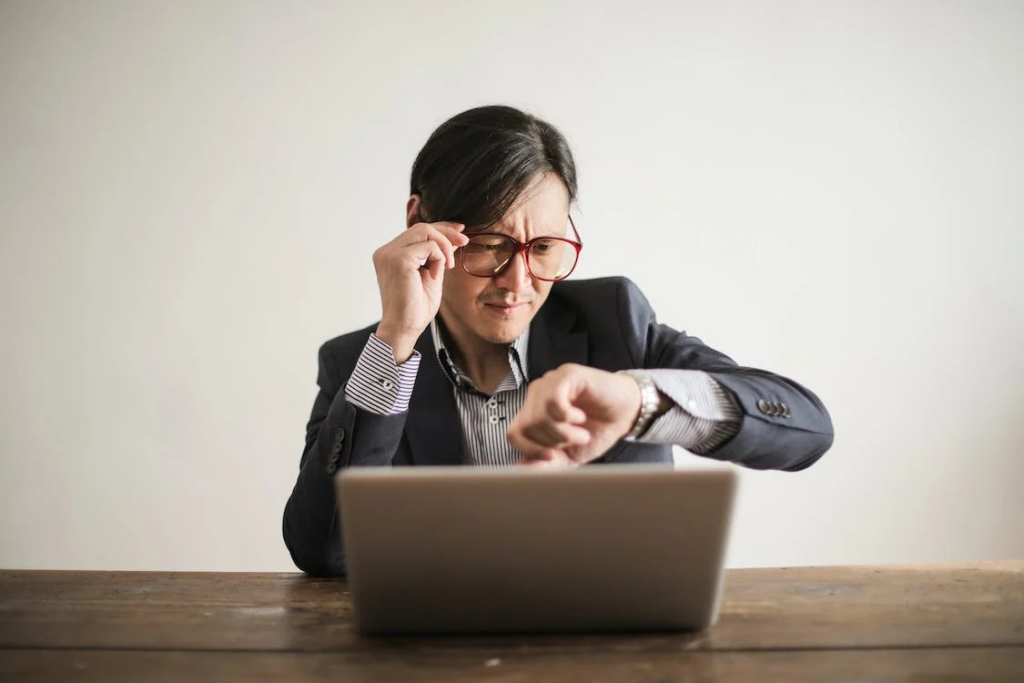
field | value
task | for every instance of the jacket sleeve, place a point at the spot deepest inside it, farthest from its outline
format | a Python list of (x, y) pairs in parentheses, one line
[(783, 425), (338, 435)]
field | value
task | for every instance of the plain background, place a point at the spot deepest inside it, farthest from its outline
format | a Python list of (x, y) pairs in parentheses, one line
[(190, 193)]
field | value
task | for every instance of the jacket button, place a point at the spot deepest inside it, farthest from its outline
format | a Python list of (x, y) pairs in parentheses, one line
[(764, 406), (332, 468), (785, 410)]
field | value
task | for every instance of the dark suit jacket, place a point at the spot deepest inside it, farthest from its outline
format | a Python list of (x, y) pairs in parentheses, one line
[(605, 323)]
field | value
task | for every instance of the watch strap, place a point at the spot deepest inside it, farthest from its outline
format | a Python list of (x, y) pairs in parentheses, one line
[(649, 402)]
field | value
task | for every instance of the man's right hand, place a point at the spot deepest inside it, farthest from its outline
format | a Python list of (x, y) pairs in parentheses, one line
[(410, 270)]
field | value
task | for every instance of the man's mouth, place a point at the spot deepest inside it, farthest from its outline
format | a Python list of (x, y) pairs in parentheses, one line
[(507, 308)]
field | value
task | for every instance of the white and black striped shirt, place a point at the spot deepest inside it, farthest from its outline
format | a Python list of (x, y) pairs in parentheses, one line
[(702, 418), (484, 418)]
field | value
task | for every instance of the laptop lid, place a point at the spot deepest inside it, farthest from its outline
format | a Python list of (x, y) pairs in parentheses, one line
[(606, 547)]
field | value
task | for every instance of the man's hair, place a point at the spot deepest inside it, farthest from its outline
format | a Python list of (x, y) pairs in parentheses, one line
[(476, 164)]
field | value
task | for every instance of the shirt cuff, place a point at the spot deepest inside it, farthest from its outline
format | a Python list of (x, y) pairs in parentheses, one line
[(378, 385), (704, 415)]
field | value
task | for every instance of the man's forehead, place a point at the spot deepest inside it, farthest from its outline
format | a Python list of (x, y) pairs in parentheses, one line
[(530, 223)]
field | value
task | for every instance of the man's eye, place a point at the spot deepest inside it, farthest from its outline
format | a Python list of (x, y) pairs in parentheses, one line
[(545, 247), (484, 244)]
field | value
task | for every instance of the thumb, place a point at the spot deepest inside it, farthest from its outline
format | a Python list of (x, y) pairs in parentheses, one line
[(562, 406)]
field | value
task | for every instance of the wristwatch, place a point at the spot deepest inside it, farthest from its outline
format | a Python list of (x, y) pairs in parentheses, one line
[(649, 401)]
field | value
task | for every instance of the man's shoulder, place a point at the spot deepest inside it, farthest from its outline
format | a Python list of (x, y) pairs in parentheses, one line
[(601, 296), (614, 313)]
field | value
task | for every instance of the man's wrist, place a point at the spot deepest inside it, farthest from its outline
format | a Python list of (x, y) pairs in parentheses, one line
[(377, 384), (401, 345)]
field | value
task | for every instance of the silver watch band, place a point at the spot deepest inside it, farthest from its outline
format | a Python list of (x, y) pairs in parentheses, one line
[(649, 401)]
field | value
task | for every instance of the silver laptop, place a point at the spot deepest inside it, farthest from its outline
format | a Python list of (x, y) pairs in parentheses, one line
[(474, 550)]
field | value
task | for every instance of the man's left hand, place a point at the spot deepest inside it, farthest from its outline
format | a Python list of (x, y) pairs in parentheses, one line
[(573, 415)]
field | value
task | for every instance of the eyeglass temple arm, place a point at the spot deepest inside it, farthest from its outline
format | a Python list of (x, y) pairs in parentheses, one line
[(575, 231)]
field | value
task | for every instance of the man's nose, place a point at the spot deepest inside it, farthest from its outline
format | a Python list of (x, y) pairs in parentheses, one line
[(515, 278)]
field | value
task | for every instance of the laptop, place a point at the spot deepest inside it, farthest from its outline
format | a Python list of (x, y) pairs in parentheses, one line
[(476, 550)]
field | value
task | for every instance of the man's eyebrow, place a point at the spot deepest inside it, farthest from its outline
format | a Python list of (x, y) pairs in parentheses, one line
[(501, 228)]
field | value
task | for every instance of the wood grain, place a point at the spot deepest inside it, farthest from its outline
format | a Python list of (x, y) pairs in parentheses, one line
[(763, 609), (953, 665)]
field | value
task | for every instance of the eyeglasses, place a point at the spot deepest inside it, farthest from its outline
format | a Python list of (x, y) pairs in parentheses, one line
[(489, 254)]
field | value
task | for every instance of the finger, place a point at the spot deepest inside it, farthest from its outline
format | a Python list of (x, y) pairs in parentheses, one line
[(425, 232), (514, 437), (444, 242), (560, 435), (434, 267), (436, 264), (539, 458), (549, 458), (422, 253), (538, 464), (448, 235), (431, 265), (517, 438), (453, 231), (576, 416), (575, 435), (450, 228), (560, 408), (455, 237), (559, 405)]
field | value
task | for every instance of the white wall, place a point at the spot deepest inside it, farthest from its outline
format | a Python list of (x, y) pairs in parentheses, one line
[(190, 193)]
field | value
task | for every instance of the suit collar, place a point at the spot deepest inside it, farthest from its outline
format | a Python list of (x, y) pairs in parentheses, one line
[(517, 356)]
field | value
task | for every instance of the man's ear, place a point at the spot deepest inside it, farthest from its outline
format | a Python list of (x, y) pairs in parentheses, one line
[(412, 211)]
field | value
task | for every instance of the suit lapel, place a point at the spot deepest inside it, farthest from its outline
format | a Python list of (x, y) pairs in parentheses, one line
[(433, 429), (555, 338), (558, 336)]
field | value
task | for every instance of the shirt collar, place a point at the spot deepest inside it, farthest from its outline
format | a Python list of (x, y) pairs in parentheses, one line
[(517, 355)]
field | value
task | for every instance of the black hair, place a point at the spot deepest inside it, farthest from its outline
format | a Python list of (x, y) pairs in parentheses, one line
[(476, 164)]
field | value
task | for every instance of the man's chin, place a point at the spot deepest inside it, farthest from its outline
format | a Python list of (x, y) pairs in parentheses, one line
[(505, 334)]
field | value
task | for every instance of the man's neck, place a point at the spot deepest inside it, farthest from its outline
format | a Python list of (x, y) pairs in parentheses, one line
[(486, 364), (487, 372)]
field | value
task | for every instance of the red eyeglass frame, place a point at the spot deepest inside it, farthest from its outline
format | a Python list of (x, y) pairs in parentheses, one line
[(524, 247)]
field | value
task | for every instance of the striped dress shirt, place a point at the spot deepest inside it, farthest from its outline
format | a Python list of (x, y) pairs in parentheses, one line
[(703, 416)]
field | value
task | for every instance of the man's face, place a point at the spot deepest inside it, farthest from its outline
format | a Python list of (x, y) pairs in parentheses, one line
[(498, 309)]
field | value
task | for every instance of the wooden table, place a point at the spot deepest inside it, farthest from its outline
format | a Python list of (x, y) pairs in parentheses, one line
[(904, 623)]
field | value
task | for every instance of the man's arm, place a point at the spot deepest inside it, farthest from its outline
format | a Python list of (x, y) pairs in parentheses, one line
[(575, 413), (781, 424), (359, 426), (695, 411)]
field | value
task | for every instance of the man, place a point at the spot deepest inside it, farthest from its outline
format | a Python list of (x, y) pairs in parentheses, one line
[(484, 356)]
